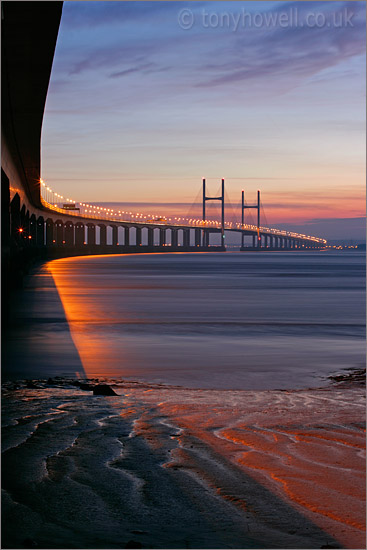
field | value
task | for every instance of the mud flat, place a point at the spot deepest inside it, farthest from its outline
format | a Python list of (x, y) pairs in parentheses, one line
[(160, 466)]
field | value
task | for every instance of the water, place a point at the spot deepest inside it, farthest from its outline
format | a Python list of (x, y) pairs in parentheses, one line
[(234, 321)]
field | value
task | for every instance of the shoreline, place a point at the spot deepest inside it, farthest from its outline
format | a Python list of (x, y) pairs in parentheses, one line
[(258, 469)]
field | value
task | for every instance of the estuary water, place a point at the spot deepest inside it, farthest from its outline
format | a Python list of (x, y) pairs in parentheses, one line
[(274, 320)]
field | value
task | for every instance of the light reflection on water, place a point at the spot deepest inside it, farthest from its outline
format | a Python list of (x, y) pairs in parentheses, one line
[(250, 321)]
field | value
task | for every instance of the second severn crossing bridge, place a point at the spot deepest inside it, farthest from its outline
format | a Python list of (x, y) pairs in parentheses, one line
[(89, 229)]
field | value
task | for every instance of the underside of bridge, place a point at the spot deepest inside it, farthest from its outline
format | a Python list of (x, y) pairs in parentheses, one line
[(29, 33), (28, 39)]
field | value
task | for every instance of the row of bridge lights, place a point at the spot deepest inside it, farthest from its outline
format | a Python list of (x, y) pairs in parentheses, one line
[(50, 196)]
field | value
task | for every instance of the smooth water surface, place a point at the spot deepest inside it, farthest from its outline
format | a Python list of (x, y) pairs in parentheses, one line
[(217, 320)]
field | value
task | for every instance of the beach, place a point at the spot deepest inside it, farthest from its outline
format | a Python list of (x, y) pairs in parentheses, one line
[(169, 467)]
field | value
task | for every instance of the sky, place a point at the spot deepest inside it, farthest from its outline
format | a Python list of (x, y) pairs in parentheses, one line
[(147, 98)]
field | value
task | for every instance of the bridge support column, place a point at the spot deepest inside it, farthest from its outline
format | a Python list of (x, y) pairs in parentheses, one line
[(40, 232), (50, 232), (26, 226), (126, 236), (197, 237), (174, 237), (15, 218), (79, 234), (69, 234), (186, 238), (162, 236), (138, 236), (253, 241), (102, 235), (33, 230), (206, 238), (23, 225), (271, 239), (59, 233), (91, 234), (150, 236), (114, 235)]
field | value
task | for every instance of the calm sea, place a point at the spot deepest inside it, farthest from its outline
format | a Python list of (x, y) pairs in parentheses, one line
[(218, 320)]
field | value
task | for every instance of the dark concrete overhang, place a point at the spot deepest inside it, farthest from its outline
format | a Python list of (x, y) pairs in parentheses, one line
[(29, 34)]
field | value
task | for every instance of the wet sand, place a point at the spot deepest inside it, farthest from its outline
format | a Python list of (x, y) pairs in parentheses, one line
[(169, 467)]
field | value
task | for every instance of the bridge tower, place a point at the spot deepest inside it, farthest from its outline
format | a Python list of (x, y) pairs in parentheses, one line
[(257, 207), (205, 198)]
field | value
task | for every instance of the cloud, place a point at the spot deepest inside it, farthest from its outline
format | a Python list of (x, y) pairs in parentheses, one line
[(293, 53), (131, 70), (333, 220), (79, 15)]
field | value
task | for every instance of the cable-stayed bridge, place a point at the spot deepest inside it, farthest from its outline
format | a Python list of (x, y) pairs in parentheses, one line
[(86, 228)]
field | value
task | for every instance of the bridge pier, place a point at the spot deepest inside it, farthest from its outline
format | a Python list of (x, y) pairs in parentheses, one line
[(114, 235), (15, 218), (150, 236), (102, 235), (59, 230), (26, 228), (186, 238), (138, 236), (162, 236), (33, 230), (174, 237), (79, 234), (91, 234), (126, 236), (50, 241), (69, 234), (197, 237), (40, 231)]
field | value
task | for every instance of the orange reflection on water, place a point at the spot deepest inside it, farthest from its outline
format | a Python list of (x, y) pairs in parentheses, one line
[(83, 310)]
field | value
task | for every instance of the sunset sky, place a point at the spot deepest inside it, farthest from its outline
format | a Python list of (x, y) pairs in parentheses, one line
[(141, 107)]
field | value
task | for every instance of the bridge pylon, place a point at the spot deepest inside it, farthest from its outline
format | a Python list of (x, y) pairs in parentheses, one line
[(257, 207), (205, 198)]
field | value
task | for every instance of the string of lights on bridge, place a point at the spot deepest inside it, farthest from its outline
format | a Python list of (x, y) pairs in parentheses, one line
[(56, 202)]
